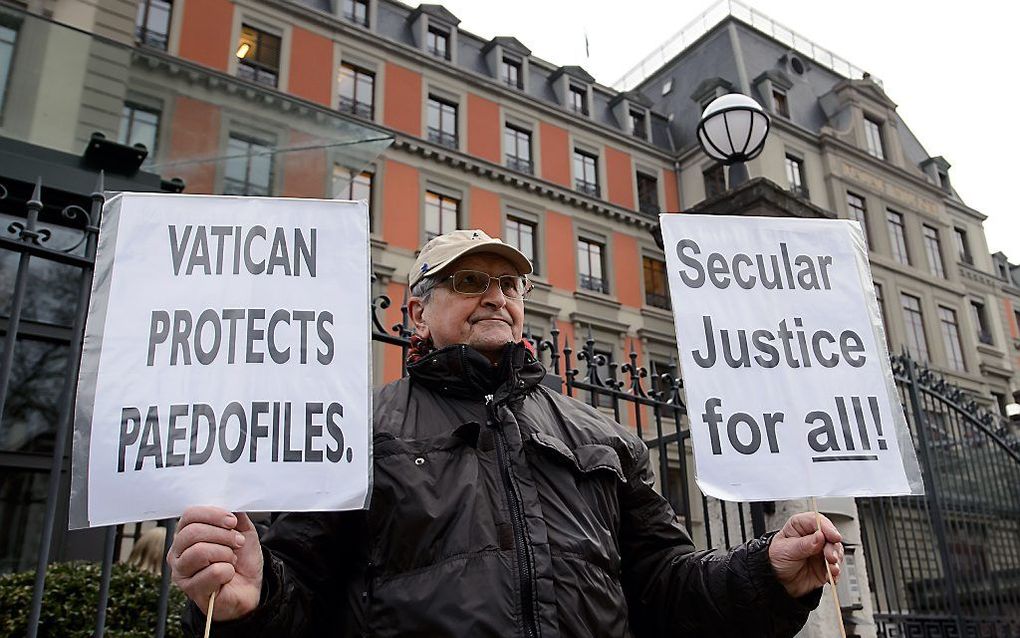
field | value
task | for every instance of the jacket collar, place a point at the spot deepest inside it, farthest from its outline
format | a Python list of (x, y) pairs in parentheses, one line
[(462, 371)]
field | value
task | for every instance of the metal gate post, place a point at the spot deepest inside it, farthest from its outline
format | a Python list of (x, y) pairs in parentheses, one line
[(66, 417), (933, 493)]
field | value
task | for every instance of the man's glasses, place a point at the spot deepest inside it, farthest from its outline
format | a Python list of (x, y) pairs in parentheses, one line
[(474, 282)]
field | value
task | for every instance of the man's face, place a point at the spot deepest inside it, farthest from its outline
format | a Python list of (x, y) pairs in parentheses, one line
[(485, 322)]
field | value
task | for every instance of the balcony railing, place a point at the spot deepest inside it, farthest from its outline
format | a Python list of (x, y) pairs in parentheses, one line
[(985, 337), (256, 73), (520, 164), (356, 107), (657, 300), (151, 38), (597, 284), (443, 138), (588, 188), (649, 208)]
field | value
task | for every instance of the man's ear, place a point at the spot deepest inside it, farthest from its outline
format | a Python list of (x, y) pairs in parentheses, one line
[(416, 309)]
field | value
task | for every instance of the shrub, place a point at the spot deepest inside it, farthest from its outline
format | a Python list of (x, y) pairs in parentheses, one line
[(71, 596)]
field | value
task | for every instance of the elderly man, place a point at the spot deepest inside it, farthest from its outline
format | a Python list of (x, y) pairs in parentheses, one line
[(499, 507)]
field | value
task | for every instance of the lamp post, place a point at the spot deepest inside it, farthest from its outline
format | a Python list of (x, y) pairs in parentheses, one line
[(732, 130)]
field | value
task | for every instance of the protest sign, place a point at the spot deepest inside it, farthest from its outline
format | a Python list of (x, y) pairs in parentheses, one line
[(789, 389), (226, 359)]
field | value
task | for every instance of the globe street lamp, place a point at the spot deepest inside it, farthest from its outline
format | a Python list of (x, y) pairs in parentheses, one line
[(732, 130)]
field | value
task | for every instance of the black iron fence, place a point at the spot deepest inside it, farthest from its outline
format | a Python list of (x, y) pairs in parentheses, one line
[(948, 563), (971, 466)]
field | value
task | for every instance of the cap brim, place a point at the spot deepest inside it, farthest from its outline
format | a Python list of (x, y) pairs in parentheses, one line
[(506, 251)]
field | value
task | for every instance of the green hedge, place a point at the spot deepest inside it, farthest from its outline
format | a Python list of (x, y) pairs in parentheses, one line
[(70, 598)]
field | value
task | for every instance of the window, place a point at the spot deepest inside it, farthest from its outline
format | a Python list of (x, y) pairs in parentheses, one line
[(437, 43), (1016, 318), (152, 23), (354, 186), (963, 246), (586, 173), (357, 90), (521, 235), (517, 145), (440, 214), (951, 338), (590, 264), (510, 73), (637, 124), (984, 333), (442, 123), (782, 106), (139, 125), (578, 99), (8, 37), (931, 247), (647, 194), (881, 308), (1000, 402), (356, 11), (898, 237), (656, 285), (249, 167), (873, 138), (667, 86), (715, 180), (258, 56), (795, 176), (857, 211), (917, 344)]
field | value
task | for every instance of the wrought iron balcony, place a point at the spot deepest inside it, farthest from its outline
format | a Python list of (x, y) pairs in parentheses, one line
[(588, 188), (443, 138), (520, 164), (596, 284)]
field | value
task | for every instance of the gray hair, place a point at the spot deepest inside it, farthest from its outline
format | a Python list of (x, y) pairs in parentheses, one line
[(424, 288)]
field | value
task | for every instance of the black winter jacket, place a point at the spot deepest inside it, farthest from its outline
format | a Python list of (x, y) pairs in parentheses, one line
[(501, 508)]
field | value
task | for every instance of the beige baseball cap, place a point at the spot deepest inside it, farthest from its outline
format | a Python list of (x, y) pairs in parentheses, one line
[(443, 250)]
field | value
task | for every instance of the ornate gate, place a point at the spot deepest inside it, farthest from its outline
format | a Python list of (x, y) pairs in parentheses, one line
[(948, 563)]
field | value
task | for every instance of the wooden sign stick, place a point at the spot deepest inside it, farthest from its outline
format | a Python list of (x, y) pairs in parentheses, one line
[(212, 604), (835, 594)]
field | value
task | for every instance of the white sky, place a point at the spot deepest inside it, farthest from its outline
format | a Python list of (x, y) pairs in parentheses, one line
[(939, 61)]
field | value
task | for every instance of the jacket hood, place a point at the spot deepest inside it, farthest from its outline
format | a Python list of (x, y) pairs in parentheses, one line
[(460, 370)]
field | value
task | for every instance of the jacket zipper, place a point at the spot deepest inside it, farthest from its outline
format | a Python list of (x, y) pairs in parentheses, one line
[(517, 522)]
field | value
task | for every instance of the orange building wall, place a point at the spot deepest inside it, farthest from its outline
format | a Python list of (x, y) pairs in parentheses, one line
[(619, 178), (205, 32), (1014, 329), (400, 205), (304, 172), (311, 70), (403, 99), (484, 212), (555, 154), (483, 128), (626, 269), (672, 203), (194, 134), (560, 266)]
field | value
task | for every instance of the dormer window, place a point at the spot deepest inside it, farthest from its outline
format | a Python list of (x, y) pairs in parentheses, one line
[(437, 42), (578, 97), (510, 73), (638, 123), (781, 105), (356, 11), (944, 182), (873, 137)]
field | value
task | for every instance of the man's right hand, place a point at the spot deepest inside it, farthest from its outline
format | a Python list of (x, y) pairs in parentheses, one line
[(215, 550)]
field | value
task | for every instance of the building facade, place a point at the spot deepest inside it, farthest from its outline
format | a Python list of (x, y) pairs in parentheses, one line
[(440, 129)]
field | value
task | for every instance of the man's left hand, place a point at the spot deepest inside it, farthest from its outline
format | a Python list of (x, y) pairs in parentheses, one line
[(796, 553)]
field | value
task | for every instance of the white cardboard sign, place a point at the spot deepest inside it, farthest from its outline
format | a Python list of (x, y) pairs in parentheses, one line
[(226, 359), (789, 389)]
